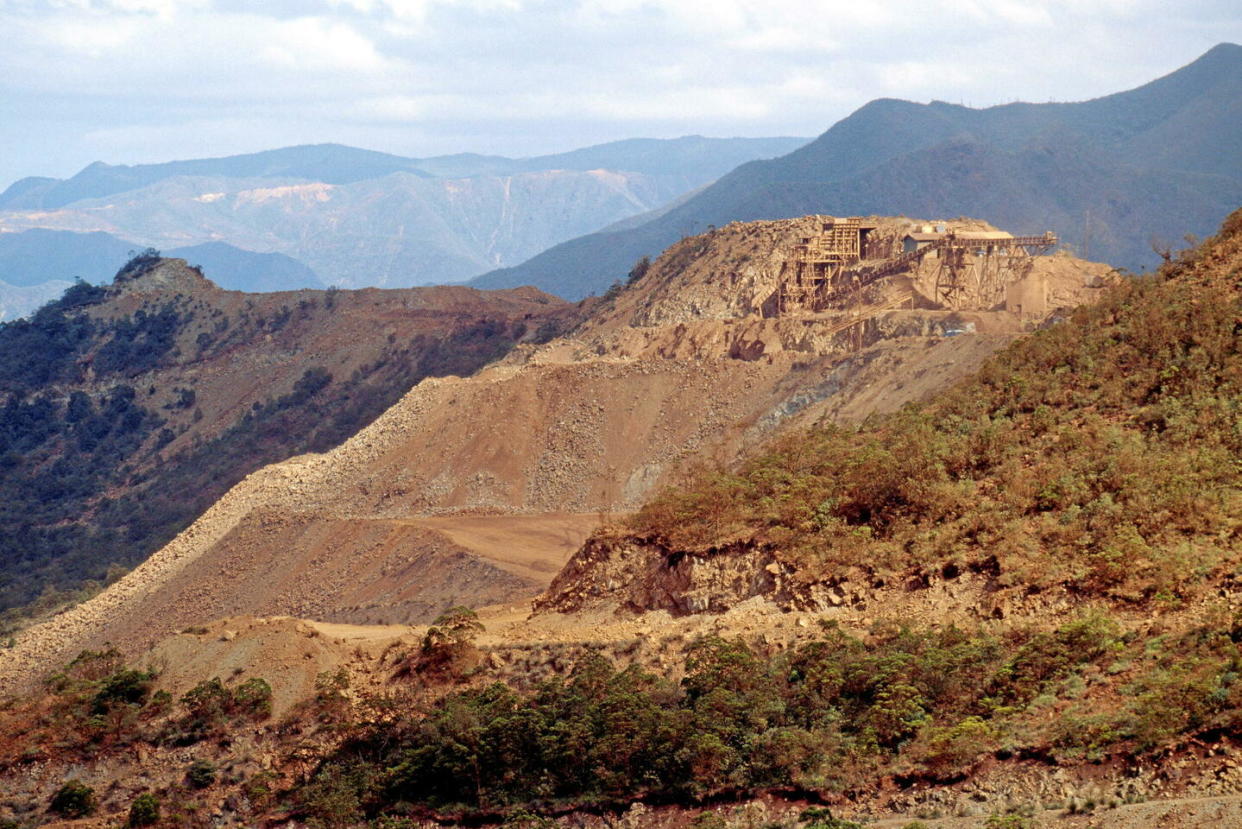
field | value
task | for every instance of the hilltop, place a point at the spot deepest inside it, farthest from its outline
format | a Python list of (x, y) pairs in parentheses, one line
[(1112, 176), (38, 265), (1092, 460)]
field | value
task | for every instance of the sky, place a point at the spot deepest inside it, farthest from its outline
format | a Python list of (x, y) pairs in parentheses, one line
[(129, 81)]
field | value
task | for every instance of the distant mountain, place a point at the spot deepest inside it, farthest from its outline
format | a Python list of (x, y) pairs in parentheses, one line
[(17, 301), (36, 256), (330, 163), (357, 218), (235, 269), (1110, 175)]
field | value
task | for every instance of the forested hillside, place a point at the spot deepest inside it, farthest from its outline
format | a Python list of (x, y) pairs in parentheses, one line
[(124, 414)]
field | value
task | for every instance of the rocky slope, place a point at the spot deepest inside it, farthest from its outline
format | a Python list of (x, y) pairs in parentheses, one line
[(588, 424), (1092, 461)]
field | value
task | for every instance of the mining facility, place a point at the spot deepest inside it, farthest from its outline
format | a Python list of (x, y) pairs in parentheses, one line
[(848, 267)]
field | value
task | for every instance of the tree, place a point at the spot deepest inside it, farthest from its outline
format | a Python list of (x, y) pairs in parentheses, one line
[(639, 270), (448, 645)]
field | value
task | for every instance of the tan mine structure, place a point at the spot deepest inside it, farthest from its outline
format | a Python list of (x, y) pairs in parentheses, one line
[(476, 490), (841, 266)]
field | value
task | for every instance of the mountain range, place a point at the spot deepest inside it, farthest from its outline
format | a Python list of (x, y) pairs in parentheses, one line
[(334, 215), (1115, 177)]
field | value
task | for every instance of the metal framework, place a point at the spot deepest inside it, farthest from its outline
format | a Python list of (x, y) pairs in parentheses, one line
[(973, 269), (818, 268)]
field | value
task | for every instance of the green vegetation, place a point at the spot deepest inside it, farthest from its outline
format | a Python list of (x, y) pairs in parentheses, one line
[(73, 800), (211, 706), (1101, 455), (144, 811), (448, 646), (201, 774), (96, 704), (829, 716)]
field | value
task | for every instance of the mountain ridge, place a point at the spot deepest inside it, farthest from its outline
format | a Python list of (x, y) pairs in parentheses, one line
[(342, 164), (823, 176), (358, 218)]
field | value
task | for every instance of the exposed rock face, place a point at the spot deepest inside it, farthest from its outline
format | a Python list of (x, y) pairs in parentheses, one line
[(642, 575)]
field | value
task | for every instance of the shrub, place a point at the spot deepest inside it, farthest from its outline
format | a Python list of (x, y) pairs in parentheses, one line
[(818, 817), (128, 687), (73, 800), (201, 774), (144, 811), (253, 698), (448, 645)]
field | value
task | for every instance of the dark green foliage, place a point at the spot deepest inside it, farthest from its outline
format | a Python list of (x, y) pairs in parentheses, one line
[(827, 716), (144, 811), (639, 270), (81, 294), (73, 800), (125, 687), (44, 348), (450, 639), (820, 818), (139, 343), (211, 705), (84, 481), (138, 264), (200, 774), (738, 722), (54, 460)]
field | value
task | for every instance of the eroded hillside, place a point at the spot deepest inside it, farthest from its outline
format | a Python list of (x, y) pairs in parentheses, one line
[(581, 427), (1096, 458)]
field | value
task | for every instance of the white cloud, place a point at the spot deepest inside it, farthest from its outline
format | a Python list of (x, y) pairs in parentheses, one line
[(316, 44), (130, 80)]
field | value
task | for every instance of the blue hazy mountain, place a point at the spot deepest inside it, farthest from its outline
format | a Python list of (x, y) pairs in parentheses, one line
[(359, 218)]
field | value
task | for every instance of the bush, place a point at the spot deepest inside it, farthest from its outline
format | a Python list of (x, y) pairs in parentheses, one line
[(1009, 821), (127, 687), (73, 800), (818, 817), (201, 774), (253, 698), (144, 811)]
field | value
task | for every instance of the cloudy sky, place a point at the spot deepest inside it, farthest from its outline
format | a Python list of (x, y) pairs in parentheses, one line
[(126, 81)]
